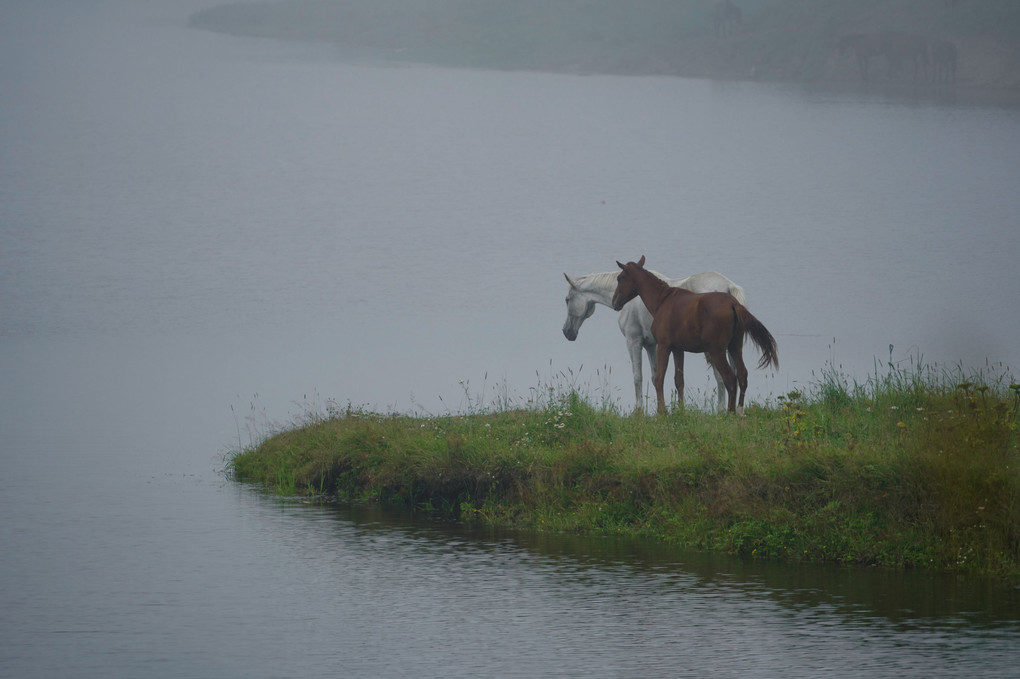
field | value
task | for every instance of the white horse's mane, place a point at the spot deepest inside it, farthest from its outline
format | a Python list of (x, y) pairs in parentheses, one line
[(605, 280), (705, 281)]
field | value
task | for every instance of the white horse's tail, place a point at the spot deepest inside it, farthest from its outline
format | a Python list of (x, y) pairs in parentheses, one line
[(738, 292)]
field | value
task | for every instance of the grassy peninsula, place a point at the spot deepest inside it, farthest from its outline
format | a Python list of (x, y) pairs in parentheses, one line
[(916, 468)]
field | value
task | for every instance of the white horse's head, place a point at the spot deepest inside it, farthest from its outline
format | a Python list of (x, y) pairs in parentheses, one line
[(580, 305)]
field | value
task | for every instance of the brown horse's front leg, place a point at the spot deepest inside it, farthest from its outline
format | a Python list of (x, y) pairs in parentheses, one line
[(661, 363), (678, 376)]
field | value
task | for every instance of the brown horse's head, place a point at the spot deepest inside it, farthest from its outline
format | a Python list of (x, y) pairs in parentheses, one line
[(626, 286)]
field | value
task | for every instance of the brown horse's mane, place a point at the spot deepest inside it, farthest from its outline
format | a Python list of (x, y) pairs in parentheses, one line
[(660, 283)]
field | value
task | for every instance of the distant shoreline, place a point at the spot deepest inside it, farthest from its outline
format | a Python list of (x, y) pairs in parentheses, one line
[(651, 38)]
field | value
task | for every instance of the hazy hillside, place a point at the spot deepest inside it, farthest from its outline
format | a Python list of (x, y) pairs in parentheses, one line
[(777, 39)]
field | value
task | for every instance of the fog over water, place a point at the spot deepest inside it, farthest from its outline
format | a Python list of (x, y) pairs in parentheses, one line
[(201, 236), (405, 229)]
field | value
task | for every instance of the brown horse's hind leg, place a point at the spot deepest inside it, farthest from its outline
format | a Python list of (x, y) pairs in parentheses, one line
[(737, 354), (718, 361)]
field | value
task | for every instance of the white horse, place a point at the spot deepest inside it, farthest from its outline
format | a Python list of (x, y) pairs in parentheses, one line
[(635, 321)]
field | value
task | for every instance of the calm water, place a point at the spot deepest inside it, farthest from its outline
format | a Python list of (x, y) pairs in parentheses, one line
[(201, 237)]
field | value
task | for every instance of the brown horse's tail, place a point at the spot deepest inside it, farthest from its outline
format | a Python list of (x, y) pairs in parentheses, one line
[(759, 334)]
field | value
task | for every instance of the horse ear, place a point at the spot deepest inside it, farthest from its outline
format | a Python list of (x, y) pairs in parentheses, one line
[(620, 265), (570, 280), (641, 262)]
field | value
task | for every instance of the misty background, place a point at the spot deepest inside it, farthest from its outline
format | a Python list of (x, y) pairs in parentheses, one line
[(776, 40), (204, 236)]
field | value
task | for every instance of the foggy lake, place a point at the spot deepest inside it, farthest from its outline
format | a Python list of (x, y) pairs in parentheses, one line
[(203, 237)]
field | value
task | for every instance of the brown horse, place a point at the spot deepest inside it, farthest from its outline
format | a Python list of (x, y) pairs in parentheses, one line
[(712, 323)]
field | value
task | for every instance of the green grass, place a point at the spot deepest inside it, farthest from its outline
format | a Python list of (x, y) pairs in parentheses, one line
[(914, 468)]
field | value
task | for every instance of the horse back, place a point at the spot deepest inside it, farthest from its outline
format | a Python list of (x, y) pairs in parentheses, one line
[(691, 321)]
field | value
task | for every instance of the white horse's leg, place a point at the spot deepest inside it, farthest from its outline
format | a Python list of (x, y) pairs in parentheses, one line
[(650, 350), (634, 348), (721, 395)]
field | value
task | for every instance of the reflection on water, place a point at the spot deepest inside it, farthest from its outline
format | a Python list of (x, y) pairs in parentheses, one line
[(857, 94), (898, 597), (655, 609)]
